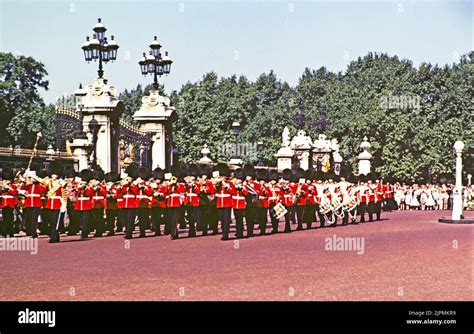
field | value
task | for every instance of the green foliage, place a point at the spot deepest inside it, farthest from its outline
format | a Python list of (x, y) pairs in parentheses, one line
[(22, 110), (409, 142)]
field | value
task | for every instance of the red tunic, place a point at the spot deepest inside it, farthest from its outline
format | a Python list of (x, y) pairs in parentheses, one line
[(143, 199), (54, 202), (238, 199), (224, 195), (175, 193), (8, 197), (84, 199), (98, 198), (192, 194), (34, 192), (158, 198)]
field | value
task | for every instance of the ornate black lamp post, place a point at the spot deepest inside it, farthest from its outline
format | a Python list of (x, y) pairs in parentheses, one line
[(154, 63), (99, 48)]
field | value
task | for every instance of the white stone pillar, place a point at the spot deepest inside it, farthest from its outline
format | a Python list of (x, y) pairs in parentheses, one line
[(153, 116), (284, 158), (457, 193), (81, 149)]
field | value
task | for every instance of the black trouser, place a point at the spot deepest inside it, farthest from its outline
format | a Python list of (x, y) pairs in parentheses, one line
[(361, 211), (98, 223), (174, 217), (251, 219), (31, 218), (182, 218), (309, 215), (129, 221), (205, 217), (84, 218), (158, 217), (193, 214), (289, 209), (121, 218), (320, 215), (378, 209), (7, 224), (224, 216), (274, 220), (43, 226), (52, 216), (110, 216), (300, 216), (143, 220), (74, 225), (262, 219), (239, 222), (213, 220), (371, 211)]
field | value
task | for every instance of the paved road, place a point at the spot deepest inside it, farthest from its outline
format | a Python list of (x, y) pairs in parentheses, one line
[(407, 256)]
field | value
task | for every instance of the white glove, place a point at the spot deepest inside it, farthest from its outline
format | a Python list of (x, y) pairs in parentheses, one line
[(62, 210)]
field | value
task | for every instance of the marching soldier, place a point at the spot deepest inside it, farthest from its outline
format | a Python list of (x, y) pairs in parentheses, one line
[(33, 191), (251, 200), (310, 209), (287, 197), (224, 192), (128, 192), (98, 203), (111, 208), (274, 198), (8, 202), (300, 192), (238, 201), (191, 201), (143, 194), (263, 199), (83, 203), (158, 203), (175, 193), (56, 200), (378, 196)]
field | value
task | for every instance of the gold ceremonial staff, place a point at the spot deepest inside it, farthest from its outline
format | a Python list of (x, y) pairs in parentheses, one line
[(38, 136)]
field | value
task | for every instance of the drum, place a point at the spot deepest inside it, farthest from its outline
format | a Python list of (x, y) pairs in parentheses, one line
[(278, 211)]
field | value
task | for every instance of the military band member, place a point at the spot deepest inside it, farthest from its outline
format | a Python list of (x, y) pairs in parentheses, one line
[(33, 191), (239, 203), (83, 203), (300, 191), (8, 202), (191, 200), (274, 198), (98, 203), (56, 200), (207, 201), (224, 192), (287, 197), (175, 193), (263, 200), (158, 203), (251, 200), (111, 208), (143, 196)]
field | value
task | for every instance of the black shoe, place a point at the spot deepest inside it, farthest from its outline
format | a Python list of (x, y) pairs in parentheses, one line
[(239, 236), (224, 238), (97, 235), (157, 234), (52, 241), (174, 237), (192, 235), (274, 231), (110, 234), (142, 235), (299, 228)]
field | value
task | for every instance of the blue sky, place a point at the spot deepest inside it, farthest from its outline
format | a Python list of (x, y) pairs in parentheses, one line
[(241, 37)]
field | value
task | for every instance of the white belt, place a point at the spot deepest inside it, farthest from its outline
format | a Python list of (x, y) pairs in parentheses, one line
[(98, 197), (238, 197), (288, 196), (174, 195), (33, 195), (83, 198), (222, 195), (7, 196), (273, 198), (142, 196), (191, 194), (128, 196), (55, 197)]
